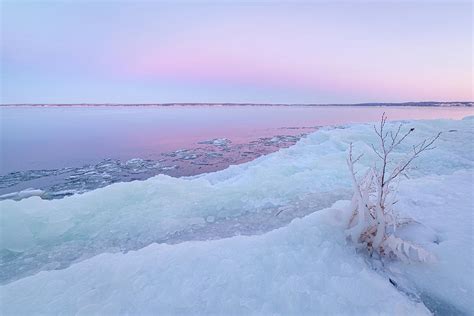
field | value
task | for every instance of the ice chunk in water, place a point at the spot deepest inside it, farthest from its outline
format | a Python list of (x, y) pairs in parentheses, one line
[(22, 194), (219, 142)]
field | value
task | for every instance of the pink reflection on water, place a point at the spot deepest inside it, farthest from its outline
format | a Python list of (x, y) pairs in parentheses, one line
[(54, 137), (242, 124)]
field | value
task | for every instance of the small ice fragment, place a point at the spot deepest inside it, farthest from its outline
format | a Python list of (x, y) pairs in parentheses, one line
[(165, 168), (22, 194), (214, 155), (219, 142)]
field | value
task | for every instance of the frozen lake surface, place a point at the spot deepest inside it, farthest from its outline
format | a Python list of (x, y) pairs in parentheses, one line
[(265, 237), (65, 150)]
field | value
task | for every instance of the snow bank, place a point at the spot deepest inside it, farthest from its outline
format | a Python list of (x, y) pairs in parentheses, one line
[(444, 205), (302, 268), (39, 234)]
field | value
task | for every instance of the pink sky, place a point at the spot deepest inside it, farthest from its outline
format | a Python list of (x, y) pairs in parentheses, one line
[(263, 52)]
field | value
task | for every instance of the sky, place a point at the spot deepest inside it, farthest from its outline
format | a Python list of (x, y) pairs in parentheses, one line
[(235, 51)]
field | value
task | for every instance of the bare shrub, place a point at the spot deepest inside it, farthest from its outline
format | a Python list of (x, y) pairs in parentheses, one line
[(374, 221)]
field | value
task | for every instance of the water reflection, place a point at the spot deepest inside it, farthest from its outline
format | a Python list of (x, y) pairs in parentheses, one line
[(58, 137)]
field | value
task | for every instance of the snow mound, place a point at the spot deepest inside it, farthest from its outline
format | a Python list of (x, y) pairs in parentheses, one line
[(302, 268)]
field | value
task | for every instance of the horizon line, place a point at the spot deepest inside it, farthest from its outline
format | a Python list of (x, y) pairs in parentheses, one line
[(407, 103)]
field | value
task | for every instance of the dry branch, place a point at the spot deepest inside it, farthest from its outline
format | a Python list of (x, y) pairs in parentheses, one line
[(374, 220)]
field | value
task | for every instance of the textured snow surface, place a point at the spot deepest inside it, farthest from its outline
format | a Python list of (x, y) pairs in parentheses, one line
[(303, 267), (444, 205)]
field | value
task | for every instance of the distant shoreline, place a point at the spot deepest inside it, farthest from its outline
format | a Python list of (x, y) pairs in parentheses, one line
[(420, 104)]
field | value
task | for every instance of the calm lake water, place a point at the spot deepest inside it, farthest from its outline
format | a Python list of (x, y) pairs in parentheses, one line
[(54, 137), (78, 148)]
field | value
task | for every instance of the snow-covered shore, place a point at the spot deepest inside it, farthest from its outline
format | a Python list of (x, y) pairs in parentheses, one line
[(304, 267)]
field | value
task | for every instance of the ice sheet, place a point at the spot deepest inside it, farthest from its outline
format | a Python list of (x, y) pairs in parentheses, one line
[(304, 268)]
